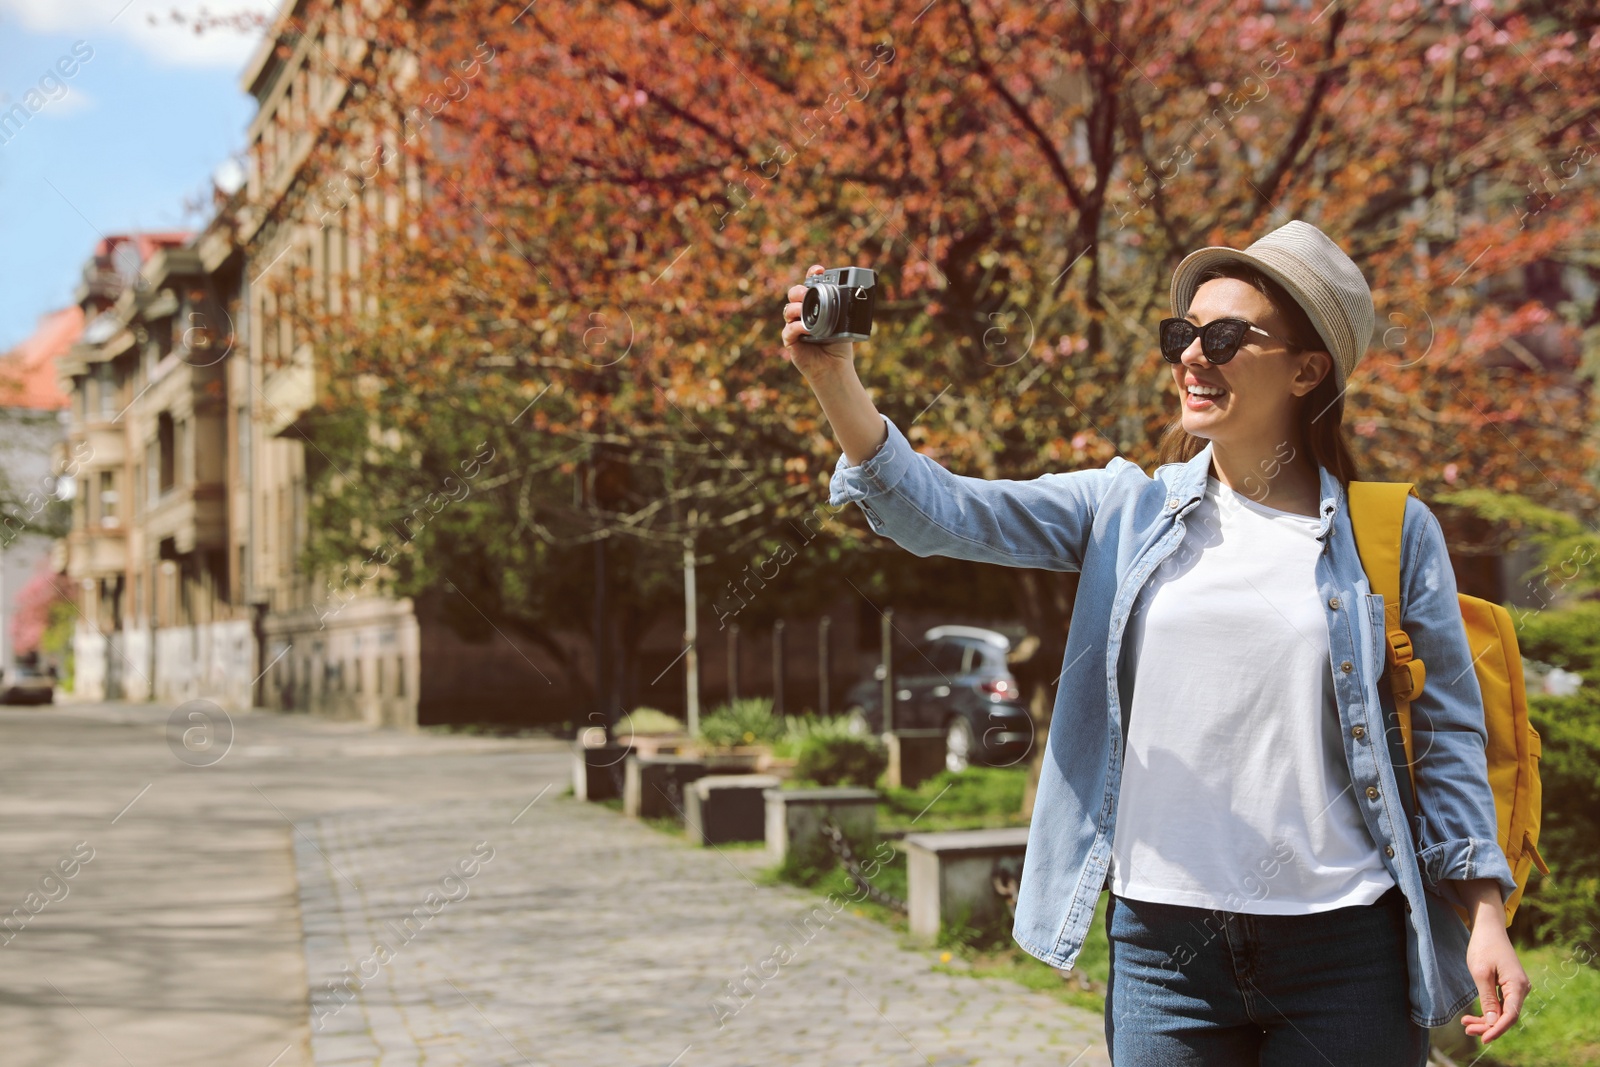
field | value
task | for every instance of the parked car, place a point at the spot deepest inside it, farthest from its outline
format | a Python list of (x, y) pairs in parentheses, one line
[(955, 680), (27, 685)]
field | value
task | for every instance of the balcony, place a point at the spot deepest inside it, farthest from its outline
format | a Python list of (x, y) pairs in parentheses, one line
[(108, 445), (288, 391), (99, 552), (191, 517)]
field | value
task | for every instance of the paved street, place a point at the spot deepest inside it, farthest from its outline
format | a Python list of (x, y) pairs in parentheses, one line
[(325, 894)]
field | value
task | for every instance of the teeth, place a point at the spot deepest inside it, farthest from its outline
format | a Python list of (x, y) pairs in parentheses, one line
[(1205, 390)]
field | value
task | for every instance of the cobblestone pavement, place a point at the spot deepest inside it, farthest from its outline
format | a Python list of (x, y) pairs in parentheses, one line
[(332, 895), (589, 939)]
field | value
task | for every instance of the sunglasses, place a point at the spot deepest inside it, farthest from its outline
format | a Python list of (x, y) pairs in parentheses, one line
[(1219, 339)]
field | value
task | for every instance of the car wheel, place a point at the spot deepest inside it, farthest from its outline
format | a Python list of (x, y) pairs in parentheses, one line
[(958, 742), (856, 721)]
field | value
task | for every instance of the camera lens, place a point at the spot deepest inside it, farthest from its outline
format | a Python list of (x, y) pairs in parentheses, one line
[(820, 309)]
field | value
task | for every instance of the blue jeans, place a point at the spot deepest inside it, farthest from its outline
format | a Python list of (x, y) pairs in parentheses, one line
[(1192, 987)]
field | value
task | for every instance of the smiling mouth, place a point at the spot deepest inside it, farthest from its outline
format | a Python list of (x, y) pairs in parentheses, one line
[(1198, 399)]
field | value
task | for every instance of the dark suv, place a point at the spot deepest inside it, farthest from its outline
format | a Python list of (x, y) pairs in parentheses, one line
[(955, 680)]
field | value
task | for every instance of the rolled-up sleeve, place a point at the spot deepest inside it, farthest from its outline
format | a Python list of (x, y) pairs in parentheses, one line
[(1041, 523), (1460, 837)]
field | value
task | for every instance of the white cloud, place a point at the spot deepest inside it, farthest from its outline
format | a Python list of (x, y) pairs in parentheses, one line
[(167, 42)]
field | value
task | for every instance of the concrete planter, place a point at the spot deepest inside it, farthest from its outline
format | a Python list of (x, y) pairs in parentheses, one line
[(776, 766), (656, 744), (744, 759)]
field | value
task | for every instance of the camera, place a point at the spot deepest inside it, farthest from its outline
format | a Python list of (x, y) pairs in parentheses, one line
[(838, 305)]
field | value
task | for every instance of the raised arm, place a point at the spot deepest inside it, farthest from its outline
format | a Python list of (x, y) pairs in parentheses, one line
[(1042, 523)]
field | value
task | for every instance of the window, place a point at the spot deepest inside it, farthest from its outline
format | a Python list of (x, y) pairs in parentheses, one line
[(108, 499), (160, 333), (166, 441), (106, 391), (947, 657)]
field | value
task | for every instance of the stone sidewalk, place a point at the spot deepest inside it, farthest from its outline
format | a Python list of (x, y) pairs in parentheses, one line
[(331, 895)]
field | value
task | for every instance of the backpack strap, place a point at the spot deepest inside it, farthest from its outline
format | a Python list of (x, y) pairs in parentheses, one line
[(1377, 516)]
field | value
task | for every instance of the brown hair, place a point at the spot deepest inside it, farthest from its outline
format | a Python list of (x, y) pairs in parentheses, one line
[(1322, 410)]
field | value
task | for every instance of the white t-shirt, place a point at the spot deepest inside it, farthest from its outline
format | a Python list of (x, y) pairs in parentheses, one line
[(1235, 791)]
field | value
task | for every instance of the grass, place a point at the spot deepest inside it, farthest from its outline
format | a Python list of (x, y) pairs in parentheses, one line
[(833, 881), (1083, 987), (1557, 1025)]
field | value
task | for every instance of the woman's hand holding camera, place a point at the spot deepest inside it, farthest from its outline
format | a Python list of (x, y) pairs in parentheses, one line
[(830, 370), (811, 359)]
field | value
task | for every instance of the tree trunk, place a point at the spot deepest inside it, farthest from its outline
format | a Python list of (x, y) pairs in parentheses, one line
[(1044, 599)]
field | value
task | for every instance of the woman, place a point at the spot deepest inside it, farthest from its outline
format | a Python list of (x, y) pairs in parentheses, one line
[(1217, 754)]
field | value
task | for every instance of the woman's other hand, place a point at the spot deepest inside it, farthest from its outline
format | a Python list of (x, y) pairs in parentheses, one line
[(1503, 985)]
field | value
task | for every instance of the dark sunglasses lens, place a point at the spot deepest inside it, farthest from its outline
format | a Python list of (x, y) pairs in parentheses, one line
[(1176, 335), (1222, 339)]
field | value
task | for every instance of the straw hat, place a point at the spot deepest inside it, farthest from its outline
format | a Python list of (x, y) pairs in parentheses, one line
[(1314, 270)]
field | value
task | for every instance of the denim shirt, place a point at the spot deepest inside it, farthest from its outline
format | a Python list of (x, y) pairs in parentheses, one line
[(1115, 525)]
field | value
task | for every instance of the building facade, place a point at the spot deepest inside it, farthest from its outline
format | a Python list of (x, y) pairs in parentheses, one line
[(148, 549)]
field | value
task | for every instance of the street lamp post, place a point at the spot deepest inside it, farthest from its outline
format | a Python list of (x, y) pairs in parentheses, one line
[(691, 634)]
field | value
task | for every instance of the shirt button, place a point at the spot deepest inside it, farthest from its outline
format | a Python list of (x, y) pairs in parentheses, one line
[(1372, 792), (1358, 732), (1333, 602), (1388, 850), (1347, 666)]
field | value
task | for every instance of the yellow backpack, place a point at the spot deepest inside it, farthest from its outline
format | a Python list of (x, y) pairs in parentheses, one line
[(1377, 513)]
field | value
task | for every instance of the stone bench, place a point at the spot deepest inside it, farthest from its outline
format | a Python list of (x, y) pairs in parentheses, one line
[(597, 770), (728, 807), (950, 877), (654, 787), (794, 821)]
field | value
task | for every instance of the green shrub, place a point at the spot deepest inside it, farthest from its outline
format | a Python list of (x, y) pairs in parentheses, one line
[(1567, 638), (800, 728), (749, 721), (1564, 906), (841, 760), (648, 721)]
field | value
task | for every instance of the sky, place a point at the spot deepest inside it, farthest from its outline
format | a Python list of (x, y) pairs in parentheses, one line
[(138, 129)]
